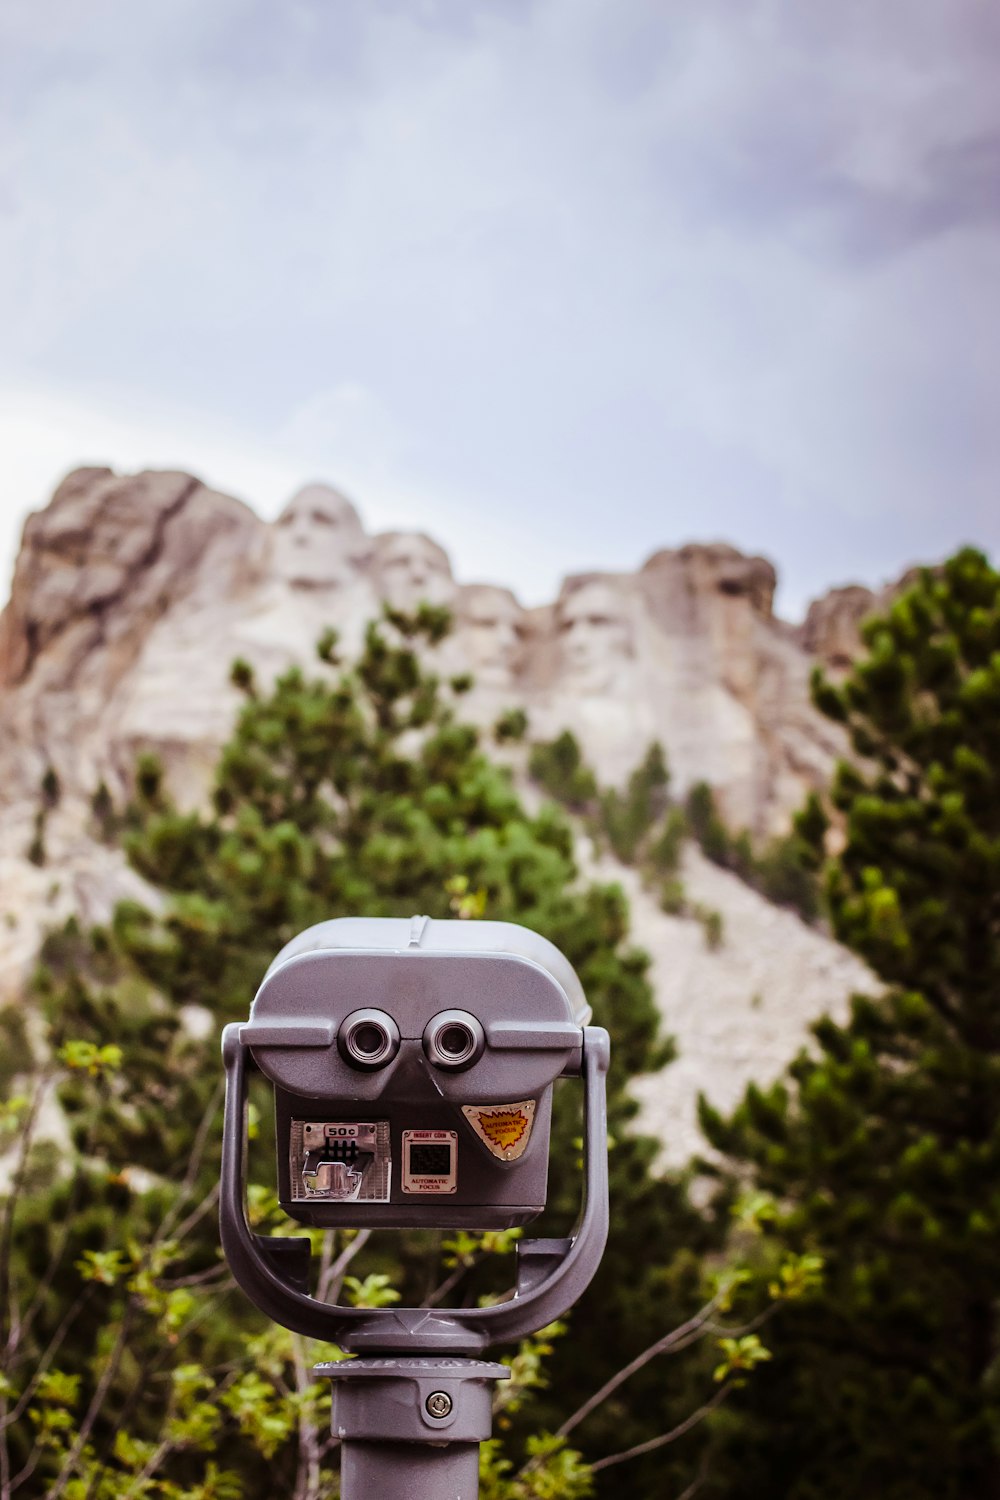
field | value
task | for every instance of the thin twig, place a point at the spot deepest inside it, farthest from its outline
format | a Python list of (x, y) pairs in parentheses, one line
[(332, 1280), (56, 1259), (729, 1332), (23, 1475), (679, 1338), (47, 1358), (151, 1368), (697, 1481), (209, 1306), (150, 1467), (439, 1294), (197, 1214), (307, 1475), (137, 1387), (4, 1454), (168, 1445), (197, 1278), (8, 1312), (86, 1426), (194, 1165), (326, 1255), (666, 1437)]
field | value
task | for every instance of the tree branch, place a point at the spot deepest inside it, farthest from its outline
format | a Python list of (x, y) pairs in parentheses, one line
[(194, 1164), (197, 1214), (46, 1359), (8, 1313), (307, 1476), (666, 1437), (679, 1338), (332, 1279), (97, 1400)]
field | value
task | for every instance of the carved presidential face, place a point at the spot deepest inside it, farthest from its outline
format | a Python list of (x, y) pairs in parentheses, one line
[(595, 635), (319, 541), (412, 570), (490, 626)]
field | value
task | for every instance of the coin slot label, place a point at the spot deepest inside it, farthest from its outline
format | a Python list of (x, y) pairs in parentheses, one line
[(430, 1161)]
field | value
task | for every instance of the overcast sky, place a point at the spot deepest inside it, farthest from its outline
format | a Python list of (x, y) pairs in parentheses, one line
[(559, 281)]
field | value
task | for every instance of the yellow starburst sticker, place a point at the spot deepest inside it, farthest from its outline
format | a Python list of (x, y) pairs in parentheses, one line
[(504, 1129)]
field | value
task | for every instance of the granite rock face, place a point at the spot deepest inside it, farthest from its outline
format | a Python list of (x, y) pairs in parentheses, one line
[(132, 596), (687, 651), (99, 570), (740, 1013), (831, 630)]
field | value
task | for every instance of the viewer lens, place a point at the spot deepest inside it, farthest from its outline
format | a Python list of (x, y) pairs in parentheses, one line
[(454, 1039), (369, 1039)]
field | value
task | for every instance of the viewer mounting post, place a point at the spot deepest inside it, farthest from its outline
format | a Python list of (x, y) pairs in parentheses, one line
[(413, 1064)]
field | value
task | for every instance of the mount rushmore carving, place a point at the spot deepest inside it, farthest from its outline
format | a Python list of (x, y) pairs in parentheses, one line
[(132, 596)]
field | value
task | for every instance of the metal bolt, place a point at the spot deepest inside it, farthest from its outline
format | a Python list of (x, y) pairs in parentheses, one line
[(438, 1404)]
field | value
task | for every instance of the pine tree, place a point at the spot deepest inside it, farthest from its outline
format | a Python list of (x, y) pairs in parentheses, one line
[(882, 1146), (559, 768), (627, 817)]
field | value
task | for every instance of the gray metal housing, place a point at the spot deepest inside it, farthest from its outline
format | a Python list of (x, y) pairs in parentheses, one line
[(514, 984)]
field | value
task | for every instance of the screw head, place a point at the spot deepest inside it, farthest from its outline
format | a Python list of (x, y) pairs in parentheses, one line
[(438, 1404)]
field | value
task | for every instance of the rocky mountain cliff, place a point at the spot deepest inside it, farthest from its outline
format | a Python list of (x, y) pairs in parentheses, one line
[(132, 595)]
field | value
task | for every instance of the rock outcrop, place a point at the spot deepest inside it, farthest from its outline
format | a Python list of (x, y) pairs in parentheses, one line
[(132, 596), (831, 630), (686, 651), (739, 1013), (99, 569)]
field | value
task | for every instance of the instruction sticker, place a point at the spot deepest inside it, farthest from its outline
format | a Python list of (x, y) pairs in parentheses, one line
[(504, 1129), (430, 1161)]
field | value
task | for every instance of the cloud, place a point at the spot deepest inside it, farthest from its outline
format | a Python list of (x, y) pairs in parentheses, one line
[(592, 277), (343, 425), (43, 435)]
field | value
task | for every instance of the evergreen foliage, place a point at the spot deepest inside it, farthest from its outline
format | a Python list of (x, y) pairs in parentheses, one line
[(883, 1146), (784, 870), (644, 827), (511, 726), (560, 770), (667, 843), (627, 817)]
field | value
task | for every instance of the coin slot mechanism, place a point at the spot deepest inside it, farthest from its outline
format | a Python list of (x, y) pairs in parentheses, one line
[(340, 1161)]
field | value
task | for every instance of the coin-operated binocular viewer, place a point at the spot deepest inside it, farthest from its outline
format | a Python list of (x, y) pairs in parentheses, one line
[(413, 1064)]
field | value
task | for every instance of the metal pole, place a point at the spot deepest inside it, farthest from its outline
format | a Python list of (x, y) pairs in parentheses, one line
[(402, 1471), (411, 1428)]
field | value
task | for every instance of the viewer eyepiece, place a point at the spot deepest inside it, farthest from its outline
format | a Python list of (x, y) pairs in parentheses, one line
[(368, 1039), (454, 1039)]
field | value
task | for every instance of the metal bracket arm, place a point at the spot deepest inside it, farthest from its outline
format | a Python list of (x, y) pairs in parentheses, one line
[(551, 1277)]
